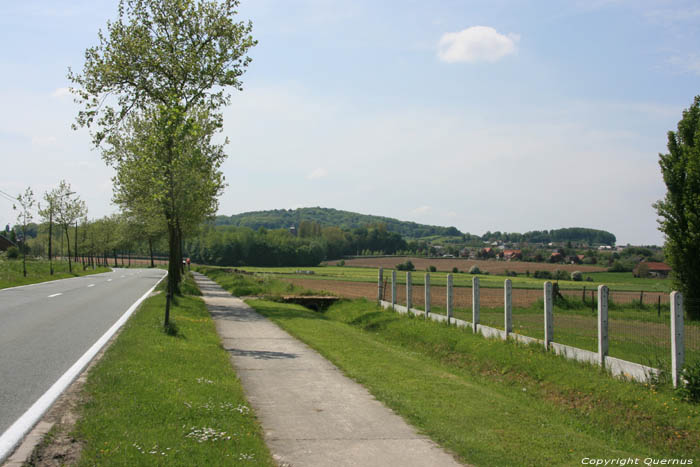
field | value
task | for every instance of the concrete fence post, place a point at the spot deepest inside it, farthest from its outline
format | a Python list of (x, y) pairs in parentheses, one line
[(678, 355), (380, 279), (548, 315), (393, 289), (427, 294), (475, 303), (409, 291), (602, 324), (449, 298), (508, 306)]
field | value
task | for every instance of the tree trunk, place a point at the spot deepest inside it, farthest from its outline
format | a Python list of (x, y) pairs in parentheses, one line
[(50, 237), (115, 258), (70, 267), (150, 250)]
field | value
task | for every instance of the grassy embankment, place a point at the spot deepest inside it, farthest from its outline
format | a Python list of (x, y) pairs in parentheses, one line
[(11, 273), (620, 281), (160, 398), (489, 401)]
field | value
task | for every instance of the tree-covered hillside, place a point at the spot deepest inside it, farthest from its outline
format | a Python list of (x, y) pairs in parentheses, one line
[(327, 217)]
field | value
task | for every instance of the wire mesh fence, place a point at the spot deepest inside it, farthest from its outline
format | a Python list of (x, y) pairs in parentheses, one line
[(639, 327), (528, 315), (691, 338), (639, 335)]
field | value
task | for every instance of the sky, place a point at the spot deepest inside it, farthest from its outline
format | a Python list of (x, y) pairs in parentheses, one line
[(484, 115)]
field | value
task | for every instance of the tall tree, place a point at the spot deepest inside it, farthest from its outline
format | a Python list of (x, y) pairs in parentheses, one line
[(48, 213), (167, 65), (26, 204), (679, 211), (68, 210)]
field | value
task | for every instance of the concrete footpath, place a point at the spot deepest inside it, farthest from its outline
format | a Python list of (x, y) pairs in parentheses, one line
[(311, 414)]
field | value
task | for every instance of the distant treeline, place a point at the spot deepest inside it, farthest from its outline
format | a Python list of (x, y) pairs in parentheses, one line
[(326, 217), (570, 234), (243, 246), (346, 220)]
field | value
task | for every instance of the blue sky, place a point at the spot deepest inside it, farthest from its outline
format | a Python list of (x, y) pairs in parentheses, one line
[(493, 115)]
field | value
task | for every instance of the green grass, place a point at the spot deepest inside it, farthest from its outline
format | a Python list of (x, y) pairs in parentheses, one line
[(493, 402), (11, 273), (159, 399), (615, 281)]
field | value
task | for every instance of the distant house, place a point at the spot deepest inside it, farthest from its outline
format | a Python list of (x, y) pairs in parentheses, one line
[(556, 257), (512, 254), (293, 230), (5, 243), (575, 259), (660, 270)]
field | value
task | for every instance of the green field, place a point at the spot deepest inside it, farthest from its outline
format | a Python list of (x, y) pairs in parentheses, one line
[(11, 273), (623, 281)]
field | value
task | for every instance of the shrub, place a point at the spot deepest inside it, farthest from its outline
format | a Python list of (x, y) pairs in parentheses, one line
[(589, 279), (577, 276), (558, 274), (341, 263), (619, 267), (455, 270), (690, 389), (407, 266), (543, 275), (13, 252), (511, 273), (527, 273), (432, 269), (474, 270)]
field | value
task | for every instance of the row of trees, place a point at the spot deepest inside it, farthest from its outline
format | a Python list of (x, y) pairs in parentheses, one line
[(60, 207)]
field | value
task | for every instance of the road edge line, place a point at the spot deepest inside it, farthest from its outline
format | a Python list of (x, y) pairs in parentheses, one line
[(12, 437)]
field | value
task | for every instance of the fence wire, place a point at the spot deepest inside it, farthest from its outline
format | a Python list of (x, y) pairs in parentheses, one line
[(691, 337), (639, 327), (528, 314)]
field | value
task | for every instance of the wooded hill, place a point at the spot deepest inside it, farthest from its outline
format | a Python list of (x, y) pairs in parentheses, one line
[(326, 217)]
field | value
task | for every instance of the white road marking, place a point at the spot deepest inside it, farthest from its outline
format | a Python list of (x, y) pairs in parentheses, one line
[(123, 276), (91, 285), (109, 280), (55, 295)]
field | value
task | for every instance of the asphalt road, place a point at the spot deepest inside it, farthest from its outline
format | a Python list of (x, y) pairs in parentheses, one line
[(45, 328)]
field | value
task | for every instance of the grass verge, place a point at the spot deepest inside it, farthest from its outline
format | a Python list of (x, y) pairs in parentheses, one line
[(493, 402), (160, 398), (11, 273)]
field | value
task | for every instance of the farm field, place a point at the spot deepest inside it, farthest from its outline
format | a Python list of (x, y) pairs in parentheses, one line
[(446, 264), (624, 281)]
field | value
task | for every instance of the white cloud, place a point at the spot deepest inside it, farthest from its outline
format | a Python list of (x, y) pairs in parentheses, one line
[(317, 173), (61, 92), (476, 44)]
